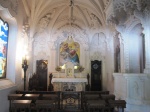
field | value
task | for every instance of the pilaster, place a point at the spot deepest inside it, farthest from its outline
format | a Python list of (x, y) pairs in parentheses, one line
[(121, 53)]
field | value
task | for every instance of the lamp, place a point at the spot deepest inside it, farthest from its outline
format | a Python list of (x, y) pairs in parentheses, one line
[(25, 67)]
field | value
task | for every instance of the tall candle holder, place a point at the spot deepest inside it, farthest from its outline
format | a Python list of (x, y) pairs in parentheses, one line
[(25, 67)]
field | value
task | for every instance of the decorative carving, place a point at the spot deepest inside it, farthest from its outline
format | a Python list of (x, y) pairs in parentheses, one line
[(77, 33), (124, 4), (96, 56), (41, 38), (143, 15), (128, 6), (44, 21), (96, 24), (135, 90)]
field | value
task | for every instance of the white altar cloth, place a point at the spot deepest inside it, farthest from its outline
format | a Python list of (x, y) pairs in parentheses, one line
[(77, 80), (75, 84)]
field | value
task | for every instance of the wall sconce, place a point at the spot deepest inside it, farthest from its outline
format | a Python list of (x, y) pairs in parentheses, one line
[(25, 67)]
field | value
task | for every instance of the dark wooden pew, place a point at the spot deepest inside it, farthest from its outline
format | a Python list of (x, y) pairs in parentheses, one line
[(39, 100), (119, 104), (92, 100), (71, 101), (53, 101)]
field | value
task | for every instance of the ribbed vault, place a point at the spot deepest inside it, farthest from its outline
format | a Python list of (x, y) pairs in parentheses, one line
[(77, 10)]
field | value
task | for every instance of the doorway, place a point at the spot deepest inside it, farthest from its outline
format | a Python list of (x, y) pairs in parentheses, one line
[(96, 75)]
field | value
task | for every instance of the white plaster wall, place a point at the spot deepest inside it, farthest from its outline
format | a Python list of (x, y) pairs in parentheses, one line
[(13, 79), (4, 102)]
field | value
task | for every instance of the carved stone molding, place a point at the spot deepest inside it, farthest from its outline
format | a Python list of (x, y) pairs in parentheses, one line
[(41, 43), (96, 24), (143, 15), (97, 56), (12, 5), (124, 4), (78, 34), (117, 6)]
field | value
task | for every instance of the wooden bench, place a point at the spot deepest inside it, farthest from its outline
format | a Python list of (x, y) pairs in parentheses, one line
[(36, 101), (95, 105), (71, 101), (119, 104), (92, 100), (65, 101)]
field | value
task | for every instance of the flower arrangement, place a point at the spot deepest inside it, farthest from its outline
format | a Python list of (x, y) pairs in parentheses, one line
[(80, 68), (58, 68)]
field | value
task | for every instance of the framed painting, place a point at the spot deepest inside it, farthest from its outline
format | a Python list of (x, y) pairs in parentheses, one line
[(69, 52), (4, 30)]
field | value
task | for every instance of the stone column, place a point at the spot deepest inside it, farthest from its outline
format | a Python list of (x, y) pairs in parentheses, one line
[(144, 17), (122, 70)]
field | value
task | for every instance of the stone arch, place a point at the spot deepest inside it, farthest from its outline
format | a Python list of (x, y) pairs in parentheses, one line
[(136, 53)]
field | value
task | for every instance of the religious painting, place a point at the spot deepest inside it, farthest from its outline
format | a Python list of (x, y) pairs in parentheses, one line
[(3, 47), (69, 52)]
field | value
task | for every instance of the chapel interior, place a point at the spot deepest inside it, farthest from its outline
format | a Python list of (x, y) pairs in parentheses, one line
[(76, 45)]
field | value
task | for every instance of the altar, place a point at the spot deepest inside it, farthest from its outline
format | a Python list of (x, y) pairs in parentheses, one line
[(69, 84), (69, 80)]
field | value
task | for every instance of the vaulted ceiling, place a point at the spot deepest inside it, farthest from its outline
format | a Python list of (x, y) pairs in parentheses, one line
[(77, 11)]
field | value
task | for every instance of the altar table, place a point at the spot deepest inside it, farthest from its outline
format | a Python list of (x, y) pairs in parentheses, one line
[(69, 84)]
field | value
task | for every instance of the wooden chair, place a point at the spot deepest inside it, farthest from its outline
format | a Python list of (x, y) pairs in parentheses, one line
[(34, 83)]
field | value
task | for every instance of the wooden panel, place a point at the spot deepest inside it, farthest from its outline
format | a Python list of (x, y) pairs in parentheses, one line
[(41, 70), (96, 75)]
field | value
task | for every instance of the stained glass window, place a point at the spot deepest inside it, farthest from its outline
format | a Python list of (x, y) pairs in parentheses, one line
[(4, 30)]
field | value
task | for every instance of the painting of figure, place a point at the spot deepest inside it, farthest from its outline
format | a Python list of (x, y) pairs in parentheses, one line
[(69, 52), (3, 47)]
